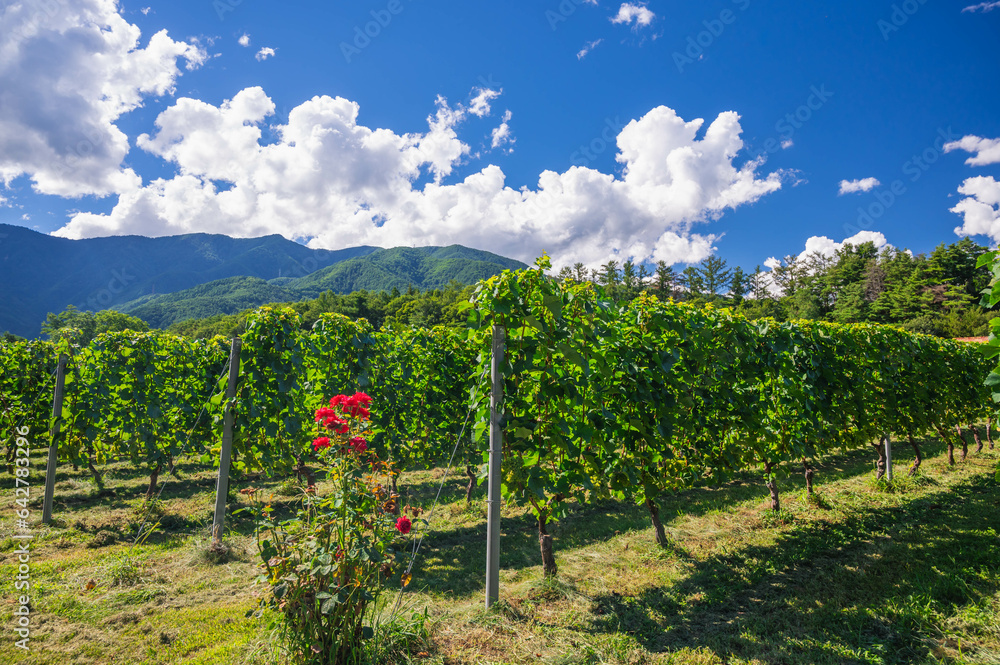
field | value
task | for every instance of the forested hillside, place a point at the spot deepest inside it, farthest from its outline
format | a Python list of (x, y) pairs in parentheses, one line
[(41, 274), (163, 281)]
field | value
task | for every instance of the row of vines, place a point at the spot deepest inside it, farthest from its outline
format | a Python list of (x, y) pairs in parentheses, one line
[(633, 401), (151, 397), (601, 400)]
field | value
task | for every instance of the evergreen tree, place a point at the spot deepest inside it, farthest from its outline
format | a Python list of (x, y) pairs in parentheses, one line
[(644, 276), (692, 283), (739, 285), (759, 282), (609, 274), (665, 279), (787, 274), (629, 278), (715, 276)]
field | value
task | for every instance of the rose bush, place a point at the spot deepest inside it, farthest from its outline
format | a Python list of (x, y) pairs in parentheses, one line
[(326, 567)]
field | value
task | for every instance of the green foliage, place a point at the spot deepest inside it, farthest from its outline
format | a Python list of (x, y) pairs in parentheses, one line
[(635, 399), (139, 396), (26, 369), (927, 294), (83, 327), (932, 294), (425, 309)]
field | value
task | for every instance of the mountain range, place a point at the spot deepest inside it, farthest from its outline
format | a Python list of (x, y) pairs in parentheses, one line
[(169, 279)]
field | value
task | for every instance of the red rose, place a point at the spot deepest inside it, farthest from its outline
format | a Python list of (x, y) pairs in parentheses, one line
[(403, 525), (356, 406), (325, 415), (359, 444), (321, 442)]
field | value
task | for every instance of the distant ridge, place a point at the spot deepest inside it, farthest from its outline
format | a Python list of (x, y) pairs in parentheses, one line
[(168, 279), (423, 268)]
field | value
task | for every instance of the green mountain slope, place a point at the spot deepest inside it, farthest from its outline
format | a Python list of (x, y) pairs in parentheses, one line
[(225, 296), (421, 267), (41, 273), (424, 268)]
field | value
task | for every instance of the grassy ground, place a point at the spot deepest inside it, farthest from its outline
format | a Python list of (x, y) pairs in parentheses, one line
[(867, 574)]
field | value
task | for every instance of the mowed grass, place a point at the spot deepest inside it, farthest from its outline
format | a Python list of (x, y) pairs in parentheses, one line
[(868, 573)]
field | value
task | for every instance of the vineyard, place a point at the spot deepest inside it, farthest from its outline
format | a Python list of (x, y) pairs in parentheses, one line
[(601, 402)]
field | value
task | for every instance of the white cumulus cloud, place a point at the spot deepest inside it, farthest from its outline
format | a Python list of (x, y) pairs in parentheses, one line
[(480, 104), (265, 53), (68, 71), (502, 135), (338, 184), (980, 210), (636, 15), (590, 46), (987, 151), (244, 40), (857, 186), (982, 7)]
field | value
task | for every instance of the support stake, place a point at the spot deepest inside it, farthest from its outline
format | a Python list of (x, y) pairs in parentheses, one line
[(225, 455), (496, 446), (888, 458), (50, 468)]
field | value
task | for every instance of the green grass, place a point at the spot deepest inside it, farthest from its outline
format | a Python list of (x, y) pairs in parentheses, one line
[(863, 572)]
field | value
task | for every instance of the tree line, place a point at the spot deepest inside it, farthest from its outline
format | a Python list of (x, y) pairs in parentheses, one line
[(936, 294)]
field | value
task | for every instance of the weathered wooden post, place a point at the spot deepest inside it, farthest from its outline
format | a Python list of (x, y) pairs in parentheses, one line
[(225, 455), (888, 457), (50, 468), (496, 446)]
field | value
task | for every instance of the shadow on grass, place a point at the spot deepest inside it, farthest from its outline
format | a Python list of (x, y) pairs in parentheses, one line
[(452, 560), (869, 584)]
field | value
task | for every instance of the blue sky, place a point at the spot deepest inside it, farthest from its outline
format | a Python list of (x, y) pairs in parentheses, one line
[(853, 90)]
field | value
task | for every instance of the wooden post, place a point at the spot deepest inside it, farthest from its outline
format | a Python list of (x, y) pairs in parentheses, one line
[(888, 458), (225, 455), (496, 446), (50, 468)]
